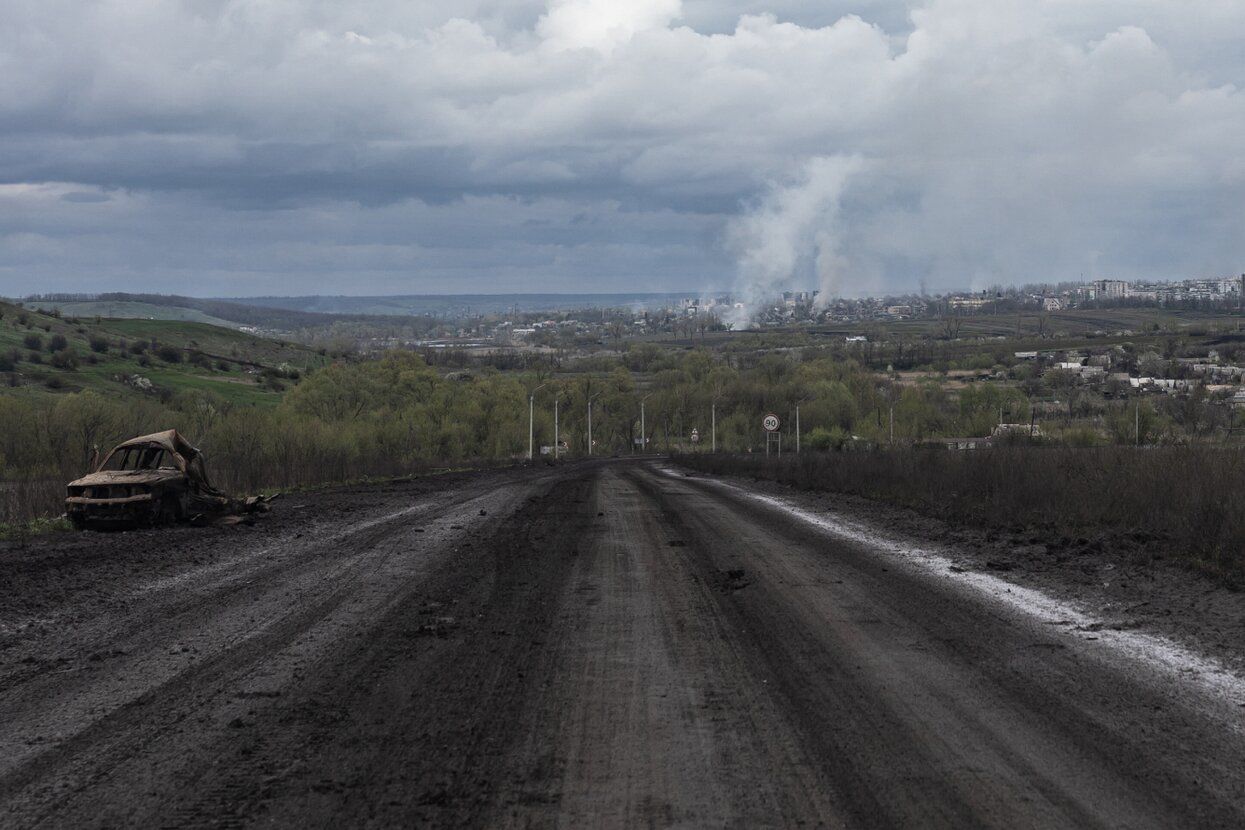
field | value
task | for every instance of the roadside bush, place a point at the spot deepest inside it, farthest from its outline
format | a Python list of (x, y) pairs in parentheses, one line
[(35, 357), (99, 345), (826, 439), (1083, 437), (57, 343), (33, 342), (7, 363)]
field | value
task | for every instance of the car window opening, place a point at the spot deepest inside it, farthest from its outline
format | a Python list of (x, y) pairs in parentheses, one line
[(139, 458)]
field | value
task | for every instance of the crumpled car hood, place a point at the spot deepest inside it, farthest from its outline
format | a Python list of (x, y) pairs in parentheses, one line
[(127, 477)]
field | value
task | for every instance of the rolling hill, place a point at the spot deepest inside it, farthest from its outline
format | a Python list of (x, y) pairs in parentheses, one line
[(49, 353)]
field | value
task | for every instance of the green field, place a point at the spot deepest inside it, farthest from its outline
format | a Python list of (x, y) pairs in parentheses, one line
[(132, 310), (104, 355)]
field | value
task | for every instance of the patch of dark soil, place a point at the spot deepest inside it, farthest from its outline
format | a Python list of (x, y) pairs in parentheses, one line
[(63, 578)]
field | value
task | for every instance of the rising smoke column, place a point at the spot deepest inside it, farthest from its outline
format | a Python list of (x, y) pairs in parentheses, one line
[(796, 226)]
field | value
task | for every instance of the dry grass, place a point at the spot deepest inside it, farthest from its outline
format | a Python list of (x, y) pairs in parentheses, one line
[(1190, 500)]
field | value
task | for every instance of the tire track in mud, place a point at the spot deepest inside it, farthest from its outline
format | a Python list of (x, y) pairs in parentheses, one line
[(78, 761), (954, 714), (413, 729), (653, 714), (187, 593), (601, 645)]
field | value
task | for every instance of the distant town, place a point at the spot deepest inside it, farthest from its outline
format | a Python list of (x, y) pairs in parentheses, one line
[(720, 311), (560, 322)]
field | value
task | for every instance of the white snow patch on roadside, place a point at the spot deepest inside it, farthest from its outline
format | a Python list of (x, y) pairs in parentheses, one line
[(1161, 655)]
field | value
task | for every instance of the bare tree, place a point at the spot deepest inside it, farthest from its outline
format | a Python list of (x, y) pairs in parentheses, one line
[(1043, 324), (951, 326)]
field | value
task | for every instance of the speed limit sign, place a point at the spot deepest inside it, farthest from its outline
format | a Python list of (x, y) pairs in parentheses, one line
[(771, 423)]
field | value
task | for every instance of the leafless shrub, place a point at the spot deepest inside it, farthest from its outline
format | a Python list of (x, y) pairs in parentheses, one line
[(1188, 502)]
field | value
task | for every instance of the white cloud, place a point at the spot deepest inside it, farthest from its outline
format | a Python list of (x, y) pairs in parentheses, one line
[(603, 24)]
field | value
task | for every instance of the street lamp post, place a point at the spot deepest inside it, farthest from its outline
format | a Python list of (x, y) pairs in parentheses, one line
[(531, 423), (797, 421), (590, 400), (643, 434), (889, 389), (713, 423)]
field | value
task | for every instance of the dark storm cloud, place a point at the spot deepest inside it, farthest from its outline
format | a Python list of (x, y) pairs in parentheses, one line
[(237, 146)]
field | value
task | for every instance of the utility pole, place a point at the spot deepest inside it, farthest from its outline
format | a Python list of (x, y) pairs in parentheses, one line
[(1137, 422), (590, 400), (557, 444), (713, 418), (643, 435), (531, 428), (797, 422)]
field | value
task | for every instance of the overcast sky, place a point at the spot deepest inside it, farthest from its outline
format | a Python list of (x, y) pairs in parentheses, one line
[(247, 147)]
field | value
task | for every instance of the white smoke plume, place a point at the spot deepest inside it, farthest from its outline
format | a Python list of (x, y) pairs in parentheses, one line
[(793, 229)]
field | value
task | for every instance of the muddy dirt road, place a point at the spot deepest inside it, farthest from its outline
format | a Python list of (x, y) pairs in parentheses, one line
[(604, 644)]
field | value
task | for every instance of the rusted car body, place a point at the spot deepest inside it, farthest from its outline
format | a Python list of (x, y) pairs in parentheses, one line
[(150, 480)]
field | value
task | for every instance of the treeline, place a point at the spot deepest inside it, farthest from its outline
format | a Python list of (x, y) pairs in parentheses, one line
[(386, 417), (1187, 502), (396, 414)]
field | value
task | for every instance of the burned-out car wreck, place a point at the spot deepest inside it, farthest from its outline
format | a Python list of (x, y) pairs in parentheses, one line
[(151, 480)]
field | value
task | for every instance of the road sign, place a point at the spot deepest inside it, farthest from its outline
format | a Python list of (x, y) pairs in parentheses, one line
[(771, 422), (695, 436)]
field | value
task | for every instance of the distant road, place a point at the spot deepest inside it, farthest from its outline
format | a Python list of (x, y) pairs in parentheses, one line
[(596, 645)]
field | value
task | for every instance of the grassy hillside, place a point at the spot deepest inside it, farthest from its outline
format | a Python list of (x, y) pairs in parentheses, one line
[(256, 314), (122, 309), (46, 354)]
